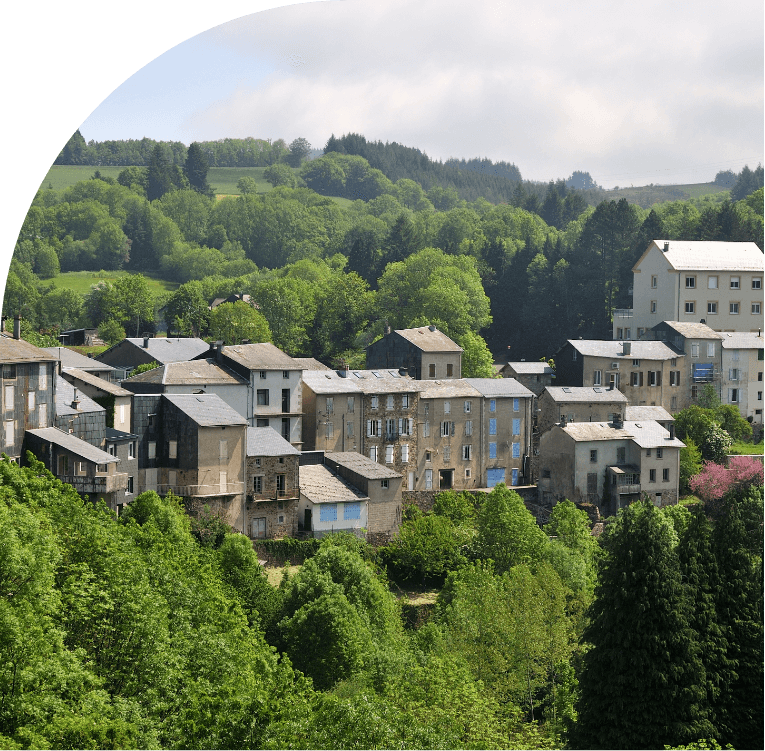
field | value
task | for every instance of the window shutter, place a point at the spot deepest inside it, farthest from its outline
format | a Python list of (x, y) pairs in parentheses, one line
[(658, 378), (452, 429), (369, 427), (400, 426)]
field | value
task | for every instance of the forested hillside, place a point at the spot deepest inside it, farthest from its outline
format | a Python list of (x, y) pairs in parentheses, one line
[(328, 277)]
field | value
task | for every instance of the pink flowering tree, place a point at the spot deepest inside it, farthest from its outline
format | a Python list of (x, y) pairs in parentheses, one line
[(715, 480)]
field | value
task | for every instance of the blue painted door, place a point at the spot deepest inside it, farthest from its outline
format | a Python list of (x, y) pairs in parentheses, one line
[(494, 477)]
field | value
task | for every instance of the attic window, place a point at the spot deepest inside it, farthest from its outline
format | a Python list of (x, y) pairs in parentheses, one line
[(566, 390), (598, 390), (376, 374)]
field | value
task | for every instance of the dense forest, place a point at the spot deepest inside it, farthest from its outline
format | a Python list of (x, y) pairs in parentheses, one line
[(153, 630), (328, 275)]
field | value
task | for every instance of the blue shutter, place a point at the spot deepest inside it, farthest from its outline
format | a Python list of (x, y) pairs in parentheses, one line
[(328, 512), (516, 426), (516, 404), (493, 426), (516, 451), (494, 477), (492, 451), (352, 511), (515, 477)]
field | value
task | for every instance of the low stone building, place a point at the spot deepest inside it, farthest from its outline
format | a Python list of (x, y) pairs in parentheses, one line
[(272, 481), (535, 376), (116, 400), (578, 404), (424, 352)]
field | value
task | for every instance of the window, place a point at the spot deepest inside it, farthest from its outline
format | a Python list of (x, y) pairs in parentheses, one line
[(712, 282), (593, 456), (351, 404), (31, 400), (389, 454), (654, 378), (328, 512), (653, 306), (636, 378), (516, 426), (592, 482), (261, 422), (620, 455), (330, 405), (330, 430), (405, 426), (735, 282), (262, 397), (673, 362), (172, 449), (351, 511), (654, 281), (468, 407), (628, 333), (733, 396), (665, 474), (690, 282), (152, 449), (712, 308), (404, 401), (674, 377), (641, 331), (468, 427), (428, 479), (131, 450), (493, 426), (648, 452), (9, 372), (710, 349), (468, 473), (516, 451), (374, 402), (756, 308), (431, 370), (263, 374), (404, 453), (597, 378), (652, 475), (449, 370), (694, 349), (389, 401), (759, 396), (428, 456), (734, 308), (516, 405), (447, 454), (733, 374), (659, 453), (447, 408), (112, 449), (426, 429), (373, 453), (390, 428), (757, 283), (492, 450), (373, 427), (9, 394), (130, 486), (466, 451), (257, 484), (690, 307), (281, 485), (573, 355), (492, 405), (445, 428)]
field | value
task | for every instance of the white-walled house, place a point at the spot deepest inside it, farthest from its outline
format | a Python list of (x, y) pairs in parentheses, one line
[(742, 368)]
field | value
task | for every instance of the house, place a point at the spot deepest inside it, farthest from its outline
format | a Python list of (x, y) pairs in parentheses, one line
[(680, 280), (70, 358), (273, 491), (329, 503), (274, 394), (535, 376), (131, 352), (193, 445), (236, 297), (741, 369), (646, 372), (123, 446), (203, 376), (609, 464), (424, 352), (503, 431), (703, 357), (80, 338), (380, 484), (78, 415), (578, 404), (116, 400)]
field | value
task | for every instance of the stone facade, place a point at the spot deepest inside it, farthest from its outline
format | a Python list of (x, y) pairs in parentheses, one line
[(272, 503)]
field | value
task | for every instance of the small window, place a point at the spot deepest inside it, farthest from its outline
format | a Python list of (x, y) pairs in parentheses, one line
[(690, 307), (131, 450), (263, 374), (516, 405), (261, 422), (652, 475), (384, 483), (712, 282), (712, 308), (31, 400), (129, 490), (101, 469), (257, 461), (428, 456), (694, 349), (285, 374), (690, 282), (734, 308), (330, 428), (466, 451), (152, 449), (468, 407), (735, 282), (389, 401), (373, 453), (351, 404), (492, 450), (449, 370), (659, 453), (172, 449), (665, 474), (654, 281), (330, 405), (757, 283), (431, 370), (492, 405), (636, 363), (405, 401), (405, 453), (516, 451), (756, 308), (468, 473), (9, 372), (262, 396), (653, 306), (593, 456), (468, 427), (447, 408), (597, 378)]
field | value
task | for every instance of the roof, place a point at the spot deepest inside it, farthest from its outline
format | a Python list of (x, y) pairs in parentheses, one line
[(75, 445), (692, 255), (429, 339), (119, 435), (65, 397), (330, 382), (267, 442), (17, 350), (207, 410), (190, 373), (586, 394), (94, 380), (360, 465), (646, 434), (72, 359), (742, 340), (645, 412), (692, 330), (448, 389), (499, 387), (530, 368), (263, 356), (310, 363), (164, 349), (380, 381), (320, 485), (595, 431), (639, 350)]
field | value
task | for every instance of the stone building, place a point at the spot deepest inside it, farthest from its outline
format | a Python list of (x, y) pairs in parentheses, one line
[(424, 352), (116, 401), (535, 376), (741, 370), (578, 404), (272, 481), (131, 352)]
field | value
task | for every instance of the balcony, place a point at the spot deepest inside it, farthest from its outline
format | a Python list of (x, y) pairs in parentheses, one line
[(278, 495), (96, 484), (628, 489), (202, 491), (622, 313)]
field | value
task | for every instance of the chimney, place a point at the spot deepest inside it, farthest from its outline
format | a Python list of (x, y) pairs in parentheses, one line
[(218, 346), (342, 373), (75, 401), (671, 431), (17, 326), (146, 342), (386, 331), (666, 246), (626, 348), (431, 327), (703, 320)]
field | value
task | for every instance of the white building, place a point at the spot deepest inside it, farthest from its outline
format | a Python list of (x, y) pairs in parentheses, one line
[(742, 367)]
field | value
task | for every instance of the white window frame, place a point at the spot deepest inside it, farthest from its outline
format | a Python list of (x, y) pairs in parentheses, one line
[(756, 282), (389, 454), (712, 282), (690, 307), (690, 282), (597, 378), (172, 449), (734, 308), (712, 308), (735, 282), (756, 308), (467, 450)]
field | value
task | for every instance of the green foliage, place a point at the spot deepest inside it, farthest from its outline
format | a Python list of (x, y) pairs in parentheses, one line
[(288, 549), (702, 427), (690, 463), (112, 333), (460, 507), (232, 322), (143, 367), (247, 185), (477, 360), (278, 174)]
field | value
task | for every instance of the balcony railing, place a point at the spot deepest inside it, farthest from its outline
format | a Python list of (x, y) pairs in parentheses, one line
[(201, 491), (627, 489), (96, 483), (623, 313)]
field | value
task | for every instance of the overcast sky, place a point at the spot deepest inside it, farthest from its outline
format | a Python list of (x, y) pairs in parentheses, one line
[(633, 92)]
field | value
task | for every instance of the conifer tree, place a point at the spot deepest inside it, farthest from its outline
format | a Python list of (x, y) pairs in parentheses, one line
[(196, 168), (641, 683)]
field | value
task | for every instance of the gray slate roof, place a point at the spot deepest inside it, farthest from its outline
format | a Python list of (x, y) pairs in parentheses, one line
[(310, 363), (94, 380), (499, 387), (693, 330), (75, 445), (429, 341), (360, 381), (119, 435), (648, 434), (644, 412), (65, 397), (319, 485), (164, 350), (330, 382), (263, 356), (361, 465), (17, 350), (711, 256), (448, 389), (640, 349), (530, 368), (742, 340), (191, 373), (207, 410), (267, 442), (585, 394), (72, 359)]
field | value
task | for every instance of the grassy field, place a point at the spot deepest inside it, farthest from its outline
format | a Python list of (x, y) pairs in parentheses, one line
[(648, 195), (82, 281), (744, 447), (63, 176)]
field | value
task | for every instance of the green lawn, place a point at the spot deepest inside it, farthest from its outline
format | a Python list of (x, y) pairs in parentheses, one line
[(82, 281), (744, 447), (64, 176)]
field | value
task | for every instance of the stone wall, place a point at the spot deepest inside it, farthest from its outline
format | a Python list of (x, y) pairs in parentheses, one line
[(281, 516)]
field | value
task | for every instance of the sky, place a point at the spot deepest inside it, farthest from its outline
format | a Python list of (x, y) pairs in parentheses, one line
[(661, 92)]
